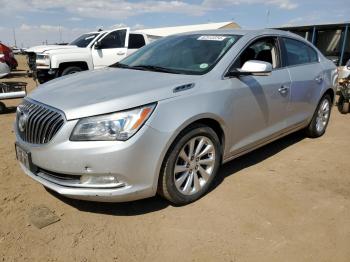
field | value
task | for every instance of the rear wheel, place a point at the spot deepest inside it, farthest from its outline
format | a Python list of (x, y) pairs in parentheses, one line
[(320, 119), (71, 70), (190, 165)]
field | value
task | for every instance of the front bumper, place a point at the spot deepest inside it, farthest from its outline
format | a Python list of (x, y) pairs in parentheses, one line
[(135, 162), (44, 75)]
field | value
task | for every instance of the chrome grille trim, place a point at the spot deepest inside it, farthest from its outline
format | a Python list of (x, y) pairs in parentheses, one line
[(42, 122)]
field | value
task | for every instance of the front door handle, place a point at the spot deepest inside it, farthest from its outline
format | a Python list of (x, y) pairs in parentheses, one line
[(319, 79), (121, 53), (283, 90)]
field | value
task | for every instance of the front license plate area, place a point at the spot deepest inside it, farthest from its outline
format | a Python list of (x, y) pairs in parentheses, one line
[(23, 156)]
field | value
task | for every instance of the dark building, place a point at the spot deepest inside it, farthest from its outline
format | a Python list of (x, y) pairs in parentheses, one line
[(331, 39)]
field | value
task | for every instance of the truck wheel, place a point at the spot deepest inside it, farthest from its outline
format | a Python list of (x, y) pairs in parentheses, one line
[(2, 108), (71, 70), (41, 80), (343, 106)]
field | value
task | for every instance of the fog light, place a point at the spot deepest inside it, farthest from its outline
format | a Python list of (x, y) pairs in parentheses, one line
[(99, 180)]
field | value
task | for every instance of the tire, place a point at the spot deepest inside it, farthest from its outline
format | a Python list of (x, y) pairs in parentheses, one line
[(2, 108), (195, 176), (41, 80), (343, 106), (71, 70), (320, 120)]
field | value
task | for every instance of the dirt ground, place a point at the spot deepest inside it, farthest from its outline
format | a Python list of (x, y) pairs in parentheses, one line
[(288, 201)]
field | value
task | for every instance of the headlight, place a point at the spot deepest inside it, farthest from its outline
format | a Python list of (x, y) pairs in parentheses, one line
[(116, 126), (42, 59)]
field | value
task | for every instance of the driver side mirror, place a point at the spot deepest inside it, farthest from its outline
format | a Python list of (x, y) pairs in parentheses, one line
[(98, 45), (252, 67)]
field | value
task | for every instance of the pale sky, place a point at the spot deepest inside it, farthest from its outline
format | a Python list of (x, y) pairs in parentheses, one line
[(35, 21)]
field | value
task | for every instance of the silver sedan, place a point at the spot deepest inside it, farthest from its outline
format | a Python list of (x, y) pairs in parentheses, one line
[(166, 117)]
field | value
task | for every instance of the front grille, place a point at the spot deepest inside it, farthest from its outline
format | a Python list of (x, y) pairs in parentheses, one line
[(31, 61), (37, 123)]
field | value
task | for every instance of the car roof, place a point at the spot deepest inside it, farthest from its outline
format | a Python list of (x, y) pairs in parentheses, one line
[(107, 31), (242, 32)]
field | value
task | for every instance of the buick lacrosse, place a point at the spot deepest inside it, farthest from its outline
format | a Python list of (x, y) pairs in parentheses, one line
[(166, 117)]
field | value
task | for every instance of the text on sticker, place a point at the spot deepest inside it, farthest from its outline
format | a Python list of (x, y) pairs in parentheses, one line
[(211, 38)]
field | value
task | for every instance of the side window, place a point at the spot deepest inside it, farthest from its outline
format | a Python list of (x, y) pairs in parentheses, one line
[(264, 49), (115, 39), (298, 52), (136, 41)]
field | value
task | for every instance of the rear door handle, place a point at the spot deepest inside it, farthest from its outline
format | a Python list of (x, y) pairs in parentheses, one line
[(121, 53), (283, 90)]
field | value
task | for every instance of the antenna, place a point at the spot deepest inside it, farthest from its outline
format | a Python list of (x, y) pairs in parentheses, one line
[(60, 32), (268, 17)]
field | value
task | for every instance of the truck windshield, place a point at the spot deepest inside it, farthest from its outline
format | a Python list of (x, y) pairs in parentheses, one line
[(84, 40), (183, 54)]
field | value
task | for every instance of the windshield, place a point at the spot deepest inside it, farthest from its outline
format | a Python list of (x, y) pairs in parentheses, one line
[(184, 54), (84, 40)]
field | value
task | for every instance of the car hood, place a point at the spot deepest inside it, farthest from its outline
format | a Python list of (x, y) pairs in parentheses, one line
[(109, 90), (44, 48)]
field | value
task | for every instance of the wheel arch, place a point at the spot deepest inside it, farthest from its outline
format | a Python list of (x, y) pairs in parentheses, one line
[(210, 121), (83, 65), (331, 93)]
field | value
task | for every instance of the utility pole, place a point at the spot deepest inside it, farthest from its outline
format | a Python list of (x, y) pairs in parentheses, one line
[(14, 36)]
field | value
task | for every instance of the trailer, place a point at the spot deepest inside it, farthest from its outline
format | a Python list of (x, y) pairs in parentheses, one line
[(11, 90)]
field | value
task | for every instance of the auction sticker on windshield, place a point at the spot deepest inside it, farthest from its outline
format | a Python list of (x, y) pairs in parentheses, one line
[(212, 38)]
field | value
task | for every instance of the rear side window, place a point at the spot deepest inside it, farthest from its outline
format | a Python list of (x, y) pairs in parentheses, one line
[(136, 41), (298, 53)]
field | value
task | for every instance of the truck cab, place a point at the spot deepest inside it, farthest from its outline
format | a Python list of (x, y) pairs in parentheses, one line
[(89, 51)]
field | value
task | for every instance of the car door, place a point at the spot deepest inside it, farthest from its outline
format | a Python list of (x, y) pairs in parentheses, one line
[(260, 103), (306, 74), (111, 48)]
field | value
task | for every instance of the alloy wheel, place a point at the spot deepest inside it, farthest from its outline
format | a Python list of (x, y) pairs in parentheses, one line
[(194, 165), (322, 116)]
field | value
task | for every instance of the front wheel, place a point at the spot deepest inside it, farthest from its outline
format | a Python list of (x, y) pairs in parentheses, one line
[(71, 70), (190, 165), (320, 119)]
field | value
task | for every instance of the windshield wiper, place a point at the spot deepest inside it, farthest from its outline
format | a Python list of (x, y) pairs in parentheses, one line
[(120, 65), (146, 68), (156, 69)]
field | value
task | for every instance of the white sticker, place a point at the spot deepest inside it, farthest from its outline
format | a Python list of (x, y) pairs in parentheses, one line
[(211, 38), (203, 66)]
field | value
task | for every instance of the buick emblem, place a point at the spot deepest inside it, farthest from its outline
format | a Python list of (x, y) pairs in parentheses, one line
[(22, 119)]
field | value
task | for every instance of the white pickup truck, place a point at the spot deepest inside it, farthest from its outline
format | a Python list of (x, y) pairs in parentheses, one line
[(89, 51)]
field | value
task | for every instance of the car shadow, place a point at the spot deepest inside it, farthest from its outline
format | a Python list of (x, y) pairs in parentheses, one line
[(256, 156), (157, 203), (6, 110), (133, 208)]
